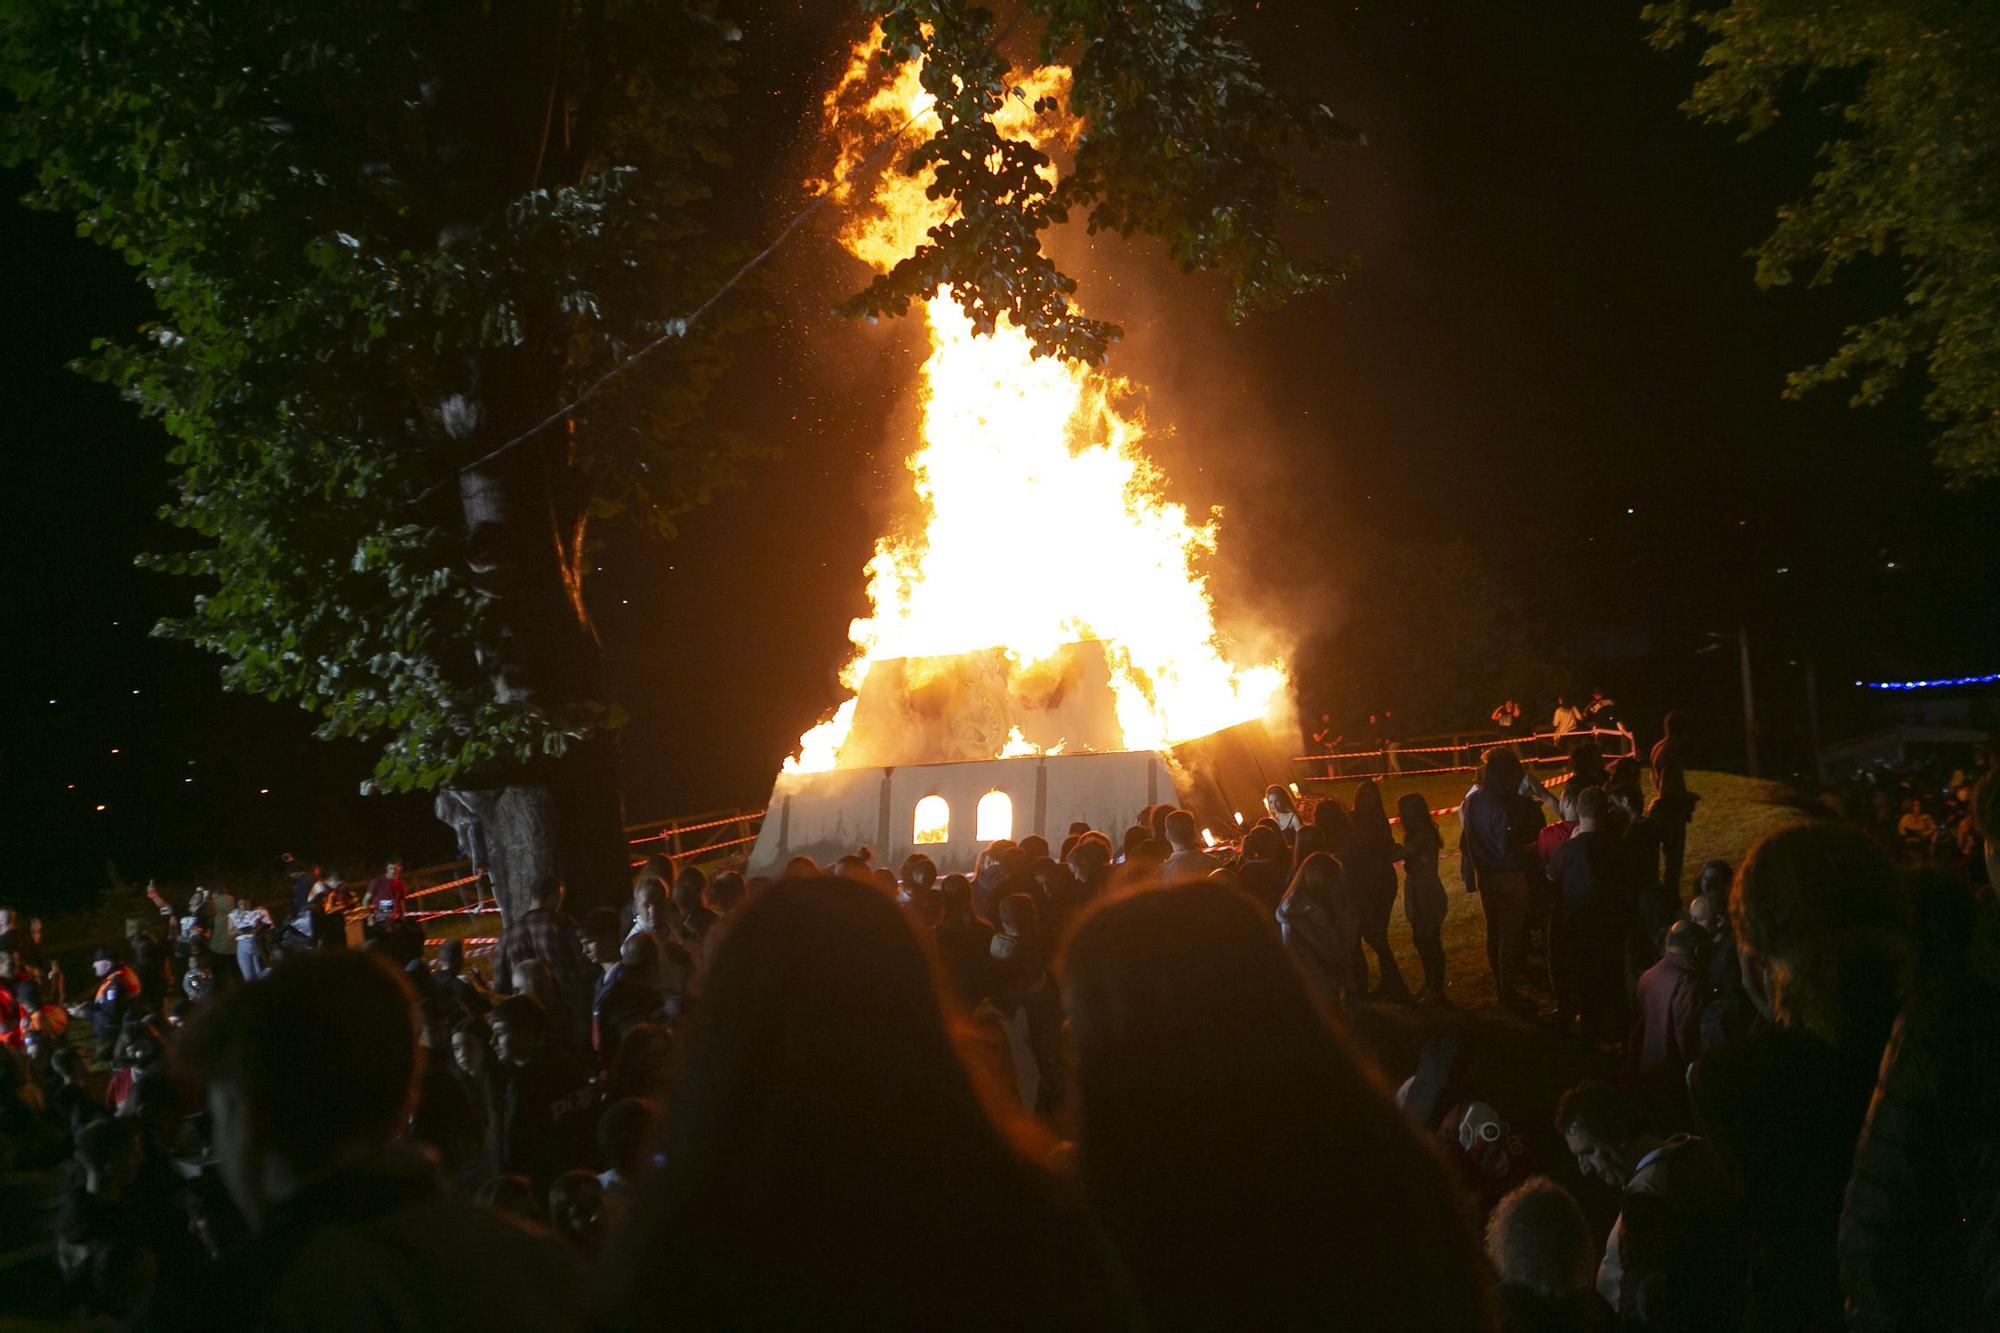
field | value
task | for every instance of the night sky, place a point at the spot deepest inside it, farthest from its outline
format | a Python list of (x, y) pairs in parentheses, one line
[(1552, 350)]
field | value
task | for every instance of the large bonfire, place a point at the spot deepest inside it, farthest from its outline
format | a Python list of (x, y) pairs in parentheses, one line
[(1003, 435)]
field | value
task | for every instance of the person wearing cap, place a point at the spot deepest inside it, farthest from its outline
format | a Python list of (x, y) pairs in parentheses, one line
[(117, 992)]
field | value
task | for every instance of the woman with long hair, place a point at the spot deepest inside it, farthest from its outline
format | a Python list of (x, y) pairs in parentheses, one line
[(1371, 873), (1249, 1168), (1424, 900), (827, 1162), (1278, 802)]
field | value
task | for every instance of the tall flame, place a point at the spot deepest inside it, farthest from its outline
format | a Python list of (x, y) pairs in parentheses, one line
[(1043, 524)]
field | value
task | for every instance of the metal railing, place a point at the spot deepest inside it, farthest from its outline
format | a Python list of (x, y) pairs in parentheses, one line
[(1549, 745)]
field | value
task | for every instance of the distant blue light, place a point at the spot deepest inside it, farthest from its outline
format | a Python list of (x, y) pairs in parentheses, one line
[(1940, 684)]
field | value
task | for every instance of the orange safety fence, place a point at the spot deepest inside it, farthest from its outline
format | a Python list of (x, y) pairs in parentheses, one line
[(667, 833), (1454, 749), (693, 853), (458, 883)]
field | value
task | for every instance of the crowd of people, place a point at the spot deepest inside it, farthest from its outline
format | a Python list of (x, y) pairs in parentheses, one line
[(1114, 1082), (1920, 809)]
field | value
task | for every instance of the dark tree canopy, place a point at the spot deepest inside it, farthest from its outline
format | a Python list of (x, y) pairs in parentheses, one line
[(294, 183), (1911, 170), (387, 238)]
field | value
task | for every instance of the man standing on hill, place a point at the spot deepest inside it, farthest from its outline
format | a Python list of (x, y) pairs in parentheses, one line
[(1673, 803), (1497, 843), (1593, 905)]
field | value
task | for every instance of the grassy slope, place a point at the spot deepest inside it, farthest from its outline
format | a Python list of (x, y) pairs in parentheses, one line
[(1524, 1066), (1734, 812)]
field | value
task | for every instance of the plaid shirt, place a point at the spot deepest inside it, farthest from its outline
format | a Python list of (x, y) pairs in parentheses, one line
[(551, 937)]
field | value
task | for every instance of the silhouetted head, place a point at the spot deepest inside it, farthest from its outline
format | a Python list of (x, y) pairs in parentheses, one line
[(1502, 772), (688, 888), (1336, 830), (1415, 813), (312, 1064), (1318, 880), (726, 893), (1822, 932), (1538, 1238), (1370, 820), (1602, 1129)]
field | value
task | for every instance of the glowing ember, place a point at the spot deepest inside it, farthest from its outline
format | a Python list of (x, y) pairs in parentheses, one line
[(1006, 440)]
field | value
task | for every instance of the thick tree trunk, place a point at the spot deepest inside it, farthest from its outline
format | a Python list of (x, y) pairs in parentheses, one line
[(553, 817), (558, 820), (502, 126)]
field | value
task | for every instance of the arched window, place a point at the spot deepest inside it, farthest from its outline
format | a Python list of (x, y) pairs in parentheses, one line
[(933, 821), (995, 819)]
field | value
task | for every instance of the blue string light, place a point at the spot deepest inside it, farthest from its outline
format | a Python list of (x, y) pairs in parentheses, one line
[(1943, 683)]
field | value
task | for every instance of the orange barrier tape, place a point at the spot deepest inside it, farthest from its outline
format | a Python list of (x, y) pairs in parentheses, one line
[(448, 884), (696, 853), (666, 833)]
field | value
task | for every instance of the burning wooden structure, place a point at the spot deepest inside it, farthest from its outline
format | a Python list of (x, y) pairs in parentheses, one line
[(918, 782)]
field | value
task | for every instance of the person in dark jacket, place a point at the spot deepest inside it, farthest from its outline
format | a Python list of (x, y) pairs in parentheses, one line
[(1265, 870), (1820, 928), (1317, 924), (539, 1097), (1424, 901), (1371, 873), (1593, 903), (1666, 1028), (348, 1231), (1675, 1257), (1673, 804), (962, 944), (1654, 908), (1920, 1234), (1499, 826), (629, 995)]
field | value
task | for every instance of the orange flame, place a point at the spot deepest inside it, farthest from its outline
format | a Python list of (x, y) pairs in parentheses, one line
[(1005, 436)]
